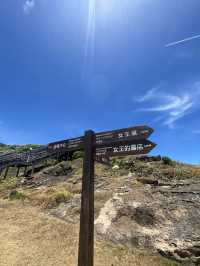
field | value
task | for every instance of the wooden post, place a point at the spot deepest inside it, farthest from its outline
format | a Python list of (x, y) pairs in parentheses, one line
[(25, 170), (6, 172), (86, 235), (18, 169)]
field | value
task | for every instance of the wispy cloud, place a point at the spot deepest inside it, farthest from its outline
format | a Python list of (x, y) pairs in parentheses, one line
[(28, 6), (172, 106), (150, 94), (182, 41)]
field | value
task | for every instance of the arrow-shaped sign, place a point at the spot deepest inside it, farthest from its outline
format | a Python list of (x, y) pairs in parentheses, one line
[(125, 134), (105, 138), (137, 147)]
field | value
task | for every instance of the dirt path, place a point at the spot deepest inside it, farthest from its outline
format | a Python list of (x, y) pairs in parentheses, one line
[(29, 237)]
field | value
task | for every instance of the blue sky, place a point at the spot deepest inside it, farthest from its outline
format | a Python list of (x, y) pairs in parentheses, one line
[(67, 66)]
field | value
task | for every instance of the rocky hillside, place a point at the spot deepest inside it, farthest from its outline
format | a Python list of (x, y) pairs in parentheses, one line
[(16, 148), (146, 207)]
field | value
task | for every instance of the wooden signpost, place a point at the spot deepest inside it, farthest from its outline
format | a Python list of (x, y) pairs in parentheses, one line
[(100, 146), (86, 235)]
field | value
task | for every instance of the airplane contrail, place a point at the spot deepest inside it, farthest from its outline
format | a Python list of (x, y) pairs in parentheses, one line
[(182, 41)]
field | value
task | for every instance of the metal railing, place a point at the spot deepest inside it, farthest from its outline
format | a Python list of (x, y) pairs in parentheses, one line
[(26, 158)]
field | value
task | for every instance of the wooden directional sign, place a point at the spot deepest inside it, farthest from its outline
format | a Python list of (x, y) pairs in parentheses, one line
[(104, 138), (129, 141), (74, 144), (125, 134), (136, 147)]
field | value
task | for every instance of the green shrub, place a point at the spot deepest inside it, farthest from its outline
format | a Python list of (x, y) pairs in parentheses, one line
[(15, 195), (157, 158), (77, 155), (168, 161), (2, 145)]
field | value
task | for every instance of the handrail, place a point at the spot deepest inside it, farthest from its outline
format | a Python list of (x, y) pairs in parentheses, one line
[(27, 157)]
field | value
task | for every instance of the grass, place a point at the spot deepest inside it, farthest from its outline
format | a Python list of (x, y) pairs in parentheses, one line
[(16, 195), (48, 198), (8, 185), (166, 169), (17, 148)]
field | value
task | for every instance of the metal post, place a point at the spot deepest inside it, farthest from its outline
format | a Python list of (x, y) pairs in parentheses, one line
[(6, 172), (86, 235), (25, 170), (33, 170)]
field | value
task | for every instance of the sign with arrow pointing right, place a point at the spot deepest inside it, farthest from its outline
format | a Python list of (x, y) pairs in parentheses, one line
[(136, 147)]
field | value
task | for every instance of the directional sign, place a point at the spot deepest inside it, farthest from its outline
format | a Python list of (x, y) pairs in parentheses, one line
[(74, 144), (125, 134), (127, 148), (122, 142), (105, 138)]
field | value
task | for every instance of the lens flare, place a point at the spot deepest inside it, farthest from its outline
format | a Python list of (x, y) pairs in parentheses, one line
[(107, 12), (90, 39)]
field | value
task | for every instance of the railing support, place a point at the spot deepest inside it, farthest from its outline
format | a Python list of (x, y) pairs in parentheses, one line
[(18, 169), (6, 172), (25, 170), (33, 170)]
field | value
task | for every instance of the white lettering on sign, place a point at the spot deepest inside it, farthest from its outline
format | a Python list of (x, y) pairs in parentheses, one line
[(145, 131), (133, 147), (140, 147), (127, 148), (127, 134), (59, 146), (120, 135), (121, 148), (134, 133)]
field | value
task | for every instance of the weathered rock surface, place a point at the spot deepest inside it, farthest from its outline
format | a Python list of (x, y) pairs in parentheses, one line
[(50, 175), (138, 204), (164, 218)]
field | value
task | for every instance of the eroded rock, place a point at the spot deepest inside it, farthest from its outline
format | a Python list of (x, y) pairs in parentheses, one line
[(165, 220)]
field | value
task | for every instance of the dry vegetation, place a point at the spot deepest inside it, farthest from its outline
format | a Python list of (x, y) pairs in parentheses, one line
[(166, 169), (30, 236)]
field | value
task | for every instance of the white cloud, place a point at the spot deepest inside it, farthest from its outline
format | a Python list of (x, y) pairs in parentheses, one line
[(148, 95), (28, 6), (172, 106)]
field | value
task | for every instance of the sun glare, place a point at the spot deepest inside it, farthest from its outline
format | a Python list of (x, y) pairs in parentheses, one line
[(104, 12)]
